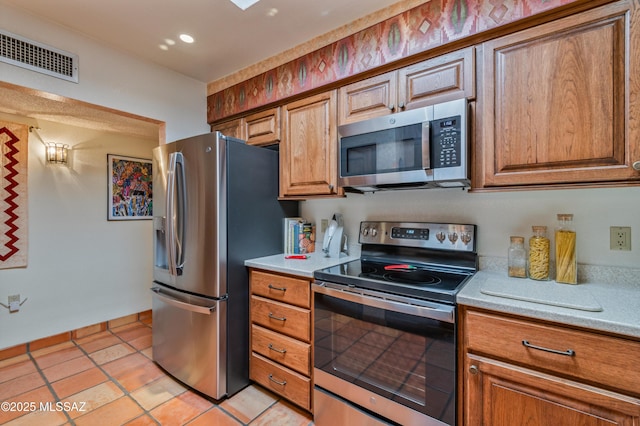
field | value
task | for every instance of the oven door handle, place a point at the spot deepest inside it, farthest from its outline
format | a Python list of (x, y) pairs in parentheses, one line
[(401, 304)]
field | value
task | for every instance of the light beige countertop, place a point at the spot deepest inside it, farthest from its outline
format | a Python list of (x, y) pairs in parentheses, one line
[(610, 306), (300, 267)]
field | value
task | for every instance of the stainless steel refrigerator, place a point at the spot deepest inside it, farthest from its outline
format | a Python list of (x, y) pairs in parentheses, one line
[(215, 205)]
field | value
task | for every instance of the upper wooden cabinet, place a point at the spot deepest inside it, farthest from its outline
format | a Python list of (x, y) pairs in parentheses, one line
[(309, 147), (233, 128), (439, 79), (261, 128), (559, 102)]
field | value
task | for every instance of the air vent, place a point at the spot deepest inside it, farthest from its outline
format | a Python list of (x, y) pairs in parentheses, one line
[(34, 56)]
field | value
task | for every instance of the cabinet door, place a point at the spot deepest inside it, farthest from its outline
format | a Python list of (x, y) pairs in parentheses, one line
[(558, 102), (373, 97), (233, 128), (309, 147), (500, 394), (263, 128), (441, 79)]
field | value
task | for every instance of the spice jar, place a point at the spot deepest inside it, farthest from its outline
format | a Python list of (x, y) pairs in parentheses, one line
[(539, 246), (566, 259), (517, 258)]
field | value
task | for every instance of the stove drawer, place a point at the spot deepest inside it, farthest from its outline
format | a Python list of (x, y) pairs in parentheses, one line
[(284, 289), (289, 352), (291, 385), (286, 319), (592, 358)]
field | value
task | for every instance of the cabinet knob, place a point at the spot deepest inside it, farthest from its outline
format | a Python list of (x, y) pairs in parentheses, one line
[(636, 165), (474, 370), (330, 187), (392, 107), (401, 105)]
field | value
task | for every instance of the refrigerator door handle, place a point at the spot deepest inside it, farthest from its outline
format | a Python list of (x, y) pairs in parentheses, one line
[(206, 310), (176, 212)]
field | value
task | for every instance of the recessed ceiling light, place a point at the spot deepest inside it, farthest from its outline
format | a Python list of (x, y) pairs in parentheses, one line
[(244, 4), (169, 42), (272, 12), (186, 38), (163, 47)]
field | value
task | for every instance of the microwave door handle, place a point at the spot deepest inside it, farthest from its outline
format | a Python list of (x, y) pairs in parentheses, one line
[(426, 145)]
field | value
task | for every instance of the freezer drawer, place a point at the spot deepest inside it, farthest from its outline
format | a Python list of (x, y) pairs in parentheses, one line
[(189, 339)]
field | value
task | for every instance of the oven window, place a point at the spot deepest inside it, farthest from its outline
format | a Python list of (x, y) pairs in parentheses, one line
[(406, 358), (384, 151)]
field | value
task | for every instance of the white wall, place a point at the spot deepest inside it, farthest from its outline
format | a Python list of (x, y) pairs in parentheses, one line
[(499, 215), (82, 269), (111, 78)]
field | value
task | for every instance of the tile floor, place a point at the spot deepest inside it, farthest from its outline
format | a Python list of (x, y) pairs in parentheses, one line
[(108, 378)]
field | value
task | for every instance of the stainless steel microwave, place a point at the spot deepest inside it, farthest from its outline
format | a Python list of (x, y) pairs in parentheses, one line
[(420, 148)]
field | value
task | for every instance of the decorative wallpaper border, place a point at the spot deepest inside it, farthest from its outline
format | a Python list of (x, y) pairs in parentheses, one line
[(432, 24)]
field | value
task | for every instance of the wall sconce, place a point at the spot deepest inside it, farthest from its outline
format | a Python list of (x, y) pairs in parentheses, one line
[(57, 153)]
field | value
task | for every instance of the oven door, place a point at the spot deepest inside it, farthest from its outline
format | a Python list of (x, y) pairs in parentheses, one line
[(389, 355)]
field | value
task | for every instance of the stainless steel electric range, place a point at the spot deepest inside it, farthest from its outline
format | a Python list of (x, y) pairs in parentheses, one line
[(385, 326)]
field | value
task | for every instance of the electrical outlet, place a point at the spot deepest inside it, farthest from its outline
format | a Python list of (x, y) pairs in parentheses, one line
[(14, 303), (620, 238)]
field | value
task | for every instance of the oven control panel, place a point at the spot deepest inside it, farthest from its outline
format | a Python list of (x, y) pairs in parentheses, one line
[(444, 236)]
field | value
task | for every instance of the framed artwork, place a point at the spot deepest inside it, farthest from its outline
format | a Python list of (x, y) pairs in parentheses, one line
[(130, 188)]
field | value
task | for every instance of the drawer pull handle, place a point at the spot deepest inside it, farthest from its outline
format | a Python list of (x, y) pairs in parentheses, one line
[(282, 383), (277, 318), (272, 287), (282, 351), (568, 352)]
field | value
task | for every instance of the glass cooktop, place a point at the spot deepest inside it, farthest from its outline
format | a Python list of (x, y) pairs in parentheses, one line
[(412, 280)]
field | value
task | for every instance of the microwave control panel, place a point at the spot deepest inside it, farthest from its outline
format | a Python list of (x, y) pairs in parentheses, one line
[(446, 142)]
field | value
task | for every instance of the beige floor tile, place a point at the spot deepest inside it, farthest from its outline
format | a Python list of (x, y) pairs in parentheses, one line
[(67, 368), (283, 413), (94, 397), (57, 357), (249, 403), (16, 370), (79, 382), (41, 394), (215, 416), (20, 385), (98, 341), (181, 409), (117, 412), (111, 353), (37, 418), (157, 392)]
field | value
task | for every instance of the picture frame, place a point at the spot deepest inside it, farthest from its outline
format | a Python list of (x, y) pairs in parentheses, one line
[(130, 192)]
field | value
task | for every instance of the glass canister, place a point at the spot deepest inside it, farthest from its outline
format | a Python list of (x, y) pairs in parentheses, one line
[(539, 253), (566, 258), (517, 258)]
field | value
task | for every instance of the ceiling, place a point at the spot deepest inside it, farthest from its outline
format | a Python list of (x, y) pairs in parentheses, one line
[(227, 39)]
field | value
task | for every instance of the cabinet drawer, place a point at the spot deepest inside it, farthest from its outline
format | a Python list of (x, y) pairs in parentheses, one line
[(291, 385), (603, 360), (285, 289), (285, 319), (289, 352)]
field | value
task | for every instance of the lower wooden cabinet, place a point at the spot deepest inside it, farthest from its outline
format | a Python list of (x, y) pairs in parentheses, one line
[(281, 340), (521, 371)]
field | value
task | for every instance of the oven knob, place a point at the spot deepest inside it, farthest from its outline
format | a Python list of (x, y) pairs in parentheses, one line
[(441, 236), (374, 232), (365, 231), (453, 237)]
